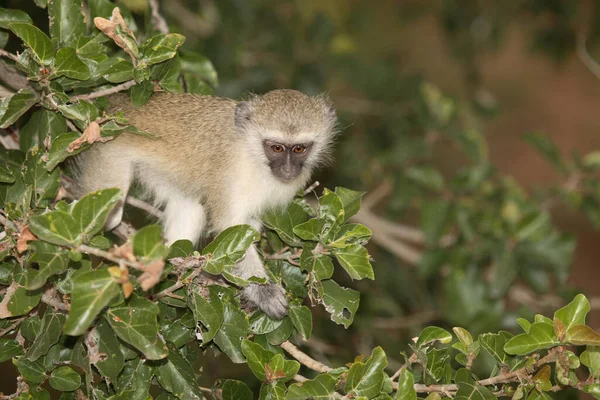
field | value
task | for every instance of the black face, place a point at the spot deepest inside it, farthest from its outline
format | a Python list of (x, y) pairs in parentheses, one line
[(286, 160)]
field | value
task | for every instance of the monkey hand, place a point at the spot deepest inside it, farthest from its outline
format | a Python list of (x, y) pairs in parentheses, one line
[(270, 298)]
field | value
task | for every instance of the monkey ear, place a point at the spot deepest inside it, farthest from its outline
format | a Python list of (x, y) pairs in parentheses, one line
[(243, 114), (330, 110)]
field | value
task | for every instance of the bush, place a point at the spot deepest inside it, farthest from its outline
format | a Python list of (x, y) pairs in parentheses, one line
[(119, 314)]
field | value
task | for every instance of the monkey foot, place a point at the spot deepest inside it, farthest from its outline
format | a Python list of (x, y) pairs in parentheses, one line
[(269, 298)]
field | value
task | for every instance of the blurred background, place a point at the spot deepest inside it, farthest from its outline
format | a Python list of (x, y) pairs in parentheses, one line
[(472, 124)]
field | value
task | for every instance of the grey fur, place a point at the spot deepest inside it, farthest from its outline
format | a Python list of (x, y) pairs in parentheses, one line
[(208, 167)]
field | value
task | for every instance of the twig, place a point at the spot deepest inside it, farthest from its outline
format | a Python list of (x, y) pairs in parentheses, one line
[(157, 20), (201, 26), (49, 297), (105, 92), (9, 142), (312, 187), (142, 205), (72, 126), (9, 224), (22, 386), (304, 358), (13, 326), (585, 56), (178, 285), (4, 53), (110, 257)]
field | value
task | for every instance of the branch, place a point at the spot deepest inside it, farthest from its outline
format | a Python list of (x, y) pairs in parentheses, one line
[(4, 53), (50, 297), (304, 358), (142, 205), (525, 373), (13, 326), (157, 20), (105, 92), (110, 257)]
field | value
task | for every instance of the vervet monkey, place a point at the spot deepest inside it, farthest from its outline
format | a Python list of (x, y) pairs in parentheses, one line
[(214, 163)]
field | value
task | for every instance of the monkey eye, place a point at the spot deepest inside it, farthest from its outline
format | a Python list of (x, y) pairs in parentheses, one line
[(299, 149), (277, 148)]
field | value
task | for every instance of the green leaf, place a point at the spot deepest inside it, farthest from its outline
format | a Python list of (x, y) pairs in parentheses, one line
[(134, 381), (283, 223), (280, 369), (351, 234), (6, 174), (41, 125), (31, 371), (49, 335), (9, 348), (149, 244), (13, 106), (209, 313), (140, 93), (318, 389), (91, 211), (261, 324), (331, 207), (31, 327), (55, 227), (575, 312), (434, 216), (68, 63), (351, 201), (66, 21), (22, 300), (200, 67), (135, 323), (494, 345), (51, 260), (590, 160), (256, 357), (282, 333), (433, 334), (426, 176), (547, 148), (523, 323), (590, 358), (372, 376), (115, 70), (302, 319), (463, 335), (65, 379), (176, 375), (540, 336), (161, 47), (8, 16), (44, 185), (92, 291), (593, 389), (229, 247), (355, 260), (112, 363), (340, 302), (234, 329), (472, 391), (581, 335), (58, 150), (310, 230), (235, 390), (40, 45), (406, 389), (319, 266)]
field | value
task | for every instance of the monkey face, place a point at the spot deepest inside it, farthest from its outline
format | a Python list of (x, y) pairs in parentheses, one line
[(286, 160)]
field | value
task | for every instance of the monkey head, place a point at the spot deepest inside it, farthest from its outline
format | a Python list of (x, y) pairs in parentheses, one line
[(291, 131)]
